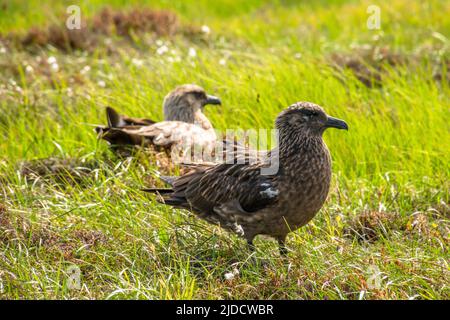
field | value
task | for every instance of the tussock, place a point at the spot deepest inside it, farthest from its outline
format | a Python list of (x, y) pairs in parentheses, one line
[(108, 22), (368, 63), (58, 169)]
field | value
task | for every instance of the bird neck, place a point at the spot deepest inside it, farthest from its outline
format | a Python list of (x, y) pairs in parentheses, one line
[(184, 114), (201, 120), (301, 146), (188, 115)]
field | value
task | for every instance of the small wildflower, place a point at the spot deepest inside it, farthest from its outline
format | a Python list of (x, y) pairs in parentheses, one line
[(222, 62), (298, 55), (231, 275), (159, 43), (101, 83), (2, 50), (161, 50), (29, 69), (54, 67), (137, 62), (205, 29), (192, 52), (51, 60), (85, 69)]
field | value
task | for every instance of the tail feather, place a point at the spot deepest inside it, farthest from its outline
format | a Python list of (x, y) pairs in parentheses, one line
[(158, 190), (168, 179), (114, 119), (117, 136)]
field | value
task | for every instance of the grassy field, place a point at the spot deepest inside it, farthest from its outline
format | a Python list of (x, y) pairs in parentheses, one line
[(384, 230)]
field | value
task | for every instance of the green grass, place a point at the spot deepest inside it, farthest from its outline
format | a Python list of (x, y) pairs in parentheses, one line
[(392, 165)]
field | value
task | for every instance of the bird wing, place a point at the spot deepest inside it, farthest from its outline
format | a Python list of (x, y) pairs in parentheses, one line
[(175, 132), (165, 134), (237, 188)]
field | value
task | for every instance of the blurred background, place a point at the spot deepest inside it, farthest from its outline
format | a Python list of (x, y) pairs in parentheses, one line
[(65, 199)]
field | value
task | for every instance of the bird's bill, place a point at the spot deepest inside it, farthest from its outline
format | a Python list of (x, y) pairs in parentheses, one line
[(336, 123), (212, 100)]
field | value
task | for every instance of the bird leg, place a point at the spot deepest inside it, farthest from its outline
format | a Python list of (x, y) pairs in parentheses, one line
[(282, 246), (251, 246)]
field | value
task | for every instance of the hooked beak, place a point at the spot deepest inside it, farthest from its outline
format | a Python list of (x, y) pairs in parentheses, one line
[(336, 123), (212, 100)]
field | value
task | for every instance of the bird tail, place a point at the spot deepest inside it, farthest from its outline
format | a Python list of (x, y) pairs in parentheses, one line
[(160, 191), (115, 120), (118, 136)]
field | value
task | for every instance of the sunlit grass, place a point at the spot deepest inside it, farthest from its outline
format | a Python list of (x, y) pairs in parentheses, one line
[(394, 159)]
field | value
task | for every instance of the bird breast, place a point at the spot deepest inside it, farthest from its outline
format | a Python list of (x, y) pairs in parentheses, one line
[(305, 183)]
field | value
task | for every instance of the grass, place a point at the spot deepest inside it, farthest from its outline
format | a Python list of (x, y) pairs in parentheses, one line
[(388, 209)]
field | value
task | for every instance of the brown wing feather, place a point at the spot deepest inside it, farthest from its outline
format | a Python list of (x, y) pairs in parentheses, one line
[(165, 134), (207, 188)]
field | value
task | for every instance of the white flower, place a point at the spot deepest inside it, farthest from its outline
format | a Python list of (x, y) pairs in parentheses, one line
[(159, 43), (298, 55), (161, 50), (101, 83), (29, 69), (51, 60), (192, 52), (54, 67), (137, 62), (2, 50), (85, 69), (231, 275), (222, 62), (205, 29)]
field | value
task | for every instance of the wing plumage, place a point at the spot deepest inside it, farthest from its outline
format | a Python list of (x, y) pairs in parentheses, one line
[(232, 188), (164, 134)]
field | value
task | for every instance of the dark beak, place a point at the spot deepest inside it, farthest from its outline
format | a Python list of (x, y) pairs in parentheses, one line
[(336, 123), (212, 100)]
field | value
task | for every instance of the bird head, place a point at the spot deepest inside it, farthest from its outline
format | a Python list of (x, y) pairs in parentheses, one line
[(184, 101), (307, 118)]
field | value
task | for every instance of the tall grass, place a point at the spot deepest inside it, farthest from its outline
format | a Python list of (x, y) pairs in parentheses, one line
[(260, 58)]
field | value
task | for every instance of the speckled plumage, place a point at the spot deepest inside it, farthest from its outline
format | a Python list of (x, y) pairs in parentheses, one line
[(184, 122), (239, 198)]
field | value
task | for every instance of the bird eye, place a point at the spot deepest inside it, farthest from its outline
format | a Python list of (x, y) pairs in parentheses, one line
[(199, 95)]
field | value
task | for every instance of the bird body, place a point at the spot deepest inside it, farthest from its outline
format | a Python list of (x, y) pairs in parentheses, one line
[(240, 198), (185, 123)]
